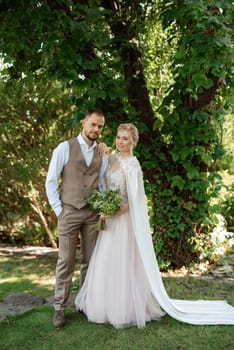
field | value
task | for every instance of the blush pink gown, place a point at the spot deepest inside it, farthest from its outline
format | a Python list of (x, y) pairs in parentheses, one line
[(123, 285)]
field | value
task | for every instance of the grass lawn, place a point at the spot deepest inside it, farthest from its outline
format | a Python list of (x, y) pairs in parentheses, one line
[(34, 330)]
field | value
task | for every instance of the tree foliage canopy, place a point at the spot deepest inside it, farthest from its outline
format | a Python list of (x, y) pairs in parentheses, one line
[(166, 66)]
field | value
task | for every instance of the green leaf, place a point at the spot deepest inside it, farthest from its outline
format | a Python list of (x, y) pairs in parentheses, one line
[(201, 80), (178, 181), (193, 173), (188, 205), (96, 93)]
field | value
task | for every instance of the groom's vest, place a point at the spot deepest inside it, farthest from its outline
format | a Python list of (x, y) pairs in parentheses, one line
[(78, 179)]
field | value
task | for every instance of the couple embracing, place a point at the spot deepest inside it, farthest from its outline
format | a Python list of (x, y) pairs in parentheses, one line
[(120, 281)]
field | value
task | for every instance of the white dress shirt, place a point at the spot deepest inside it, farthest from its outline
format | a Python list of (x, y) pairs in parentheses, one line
[(59, 159)]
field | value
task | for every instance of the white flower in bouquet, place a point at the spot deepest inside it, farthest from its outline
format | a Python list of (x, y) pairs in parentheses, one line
[(107, 202)]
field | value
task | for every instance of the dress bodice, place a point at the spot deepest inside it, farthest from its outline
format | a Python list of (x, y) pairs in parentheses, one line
[(116, 174)]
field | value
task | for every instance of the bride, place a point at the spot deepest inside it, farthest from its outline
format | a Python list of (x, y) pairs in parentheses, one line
[(123, 285)]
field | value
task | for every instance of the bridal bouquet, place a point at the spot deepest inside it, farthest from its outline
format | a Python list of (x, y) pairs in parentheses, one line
[(107, 202)]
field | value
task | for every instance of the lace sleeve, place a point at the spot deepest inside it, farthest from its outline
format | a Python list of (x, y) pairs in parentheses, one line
[(132, 166), (120, 169)]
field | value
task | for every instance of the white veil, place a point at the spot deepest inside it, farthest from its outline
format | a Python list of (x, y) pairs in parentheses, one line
[(199, 312)]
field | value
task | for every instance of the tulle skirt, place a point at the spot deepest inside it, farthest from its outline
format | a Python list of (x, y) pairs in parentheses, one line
[(116, 289)]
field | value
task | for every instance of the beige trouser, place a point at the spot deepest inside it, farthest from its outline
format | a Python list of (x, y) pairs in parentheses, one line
[(71, 223)]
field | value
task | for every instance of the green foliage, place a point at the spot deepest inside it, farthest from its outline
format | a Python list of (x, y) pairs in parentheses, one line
[(227, 137), (227, 208), (165, 65), (192, 116), (32, 120)]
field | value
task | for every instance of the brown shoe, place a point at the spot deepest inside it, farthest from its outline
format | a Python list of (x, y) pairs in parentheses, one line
[(59, 318)]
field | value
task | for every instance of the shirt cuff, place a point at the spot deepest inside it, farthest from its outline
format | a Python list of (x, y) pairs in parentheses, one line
[(58, 210)]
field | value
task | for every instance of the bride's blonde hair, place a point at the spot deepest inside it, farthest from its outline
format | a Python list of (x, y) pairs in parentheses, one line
[(133, 130)]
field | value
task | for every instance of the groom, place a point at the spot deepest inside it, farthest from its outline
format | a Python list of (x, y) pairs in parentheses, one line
[(81, 169)]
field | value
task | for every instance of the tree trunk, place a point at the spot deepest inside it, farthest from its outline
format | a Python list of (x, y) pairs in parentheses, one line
[(122, 22), (38, 211)]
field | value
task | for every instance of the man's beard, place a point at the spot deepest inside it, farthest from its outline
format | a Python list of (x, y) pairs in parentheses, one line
[(90, 138)]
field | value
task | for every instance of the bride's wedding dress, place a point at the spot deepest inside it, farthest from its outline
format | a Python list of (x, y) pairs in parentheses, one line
[(123, 285)]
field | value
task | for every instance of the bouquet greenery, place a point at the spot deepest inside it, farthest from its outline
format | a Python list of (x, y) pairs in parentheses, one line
[(107, 202)]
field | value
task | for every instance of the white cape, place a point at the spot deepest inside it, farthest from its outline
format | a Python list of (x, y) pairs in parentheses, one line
[(198, 312)]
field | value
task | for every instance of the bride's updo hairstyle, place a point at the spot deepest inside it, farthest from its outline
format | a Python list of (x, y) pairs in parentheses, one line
[(133, 130)]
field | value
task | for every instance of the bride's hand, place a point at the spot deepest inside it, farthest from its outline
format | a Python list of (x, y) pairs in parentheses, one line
[(104, 216), (102, 149)]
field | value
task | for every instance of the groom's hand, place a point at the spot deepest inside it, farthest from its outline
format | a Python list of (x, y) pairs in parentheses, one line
[(102, 149)]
